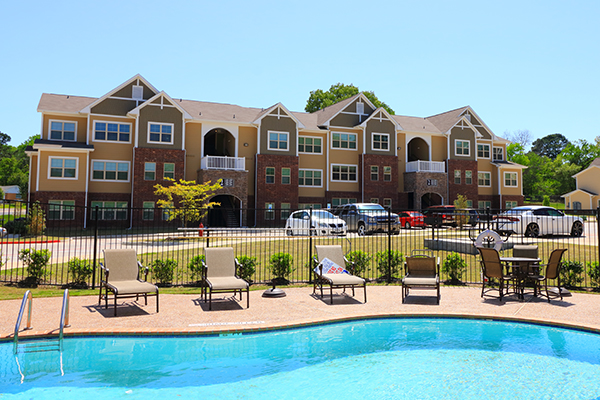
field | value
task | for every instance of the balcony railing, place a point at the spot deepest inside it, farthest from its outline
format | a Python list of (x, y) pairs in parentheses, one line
[(228, 163), (425, 166)]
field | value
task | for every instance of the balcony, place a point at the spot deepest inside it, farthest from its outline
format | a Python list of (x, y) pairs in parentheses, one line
[(426, 166), (223, 163)]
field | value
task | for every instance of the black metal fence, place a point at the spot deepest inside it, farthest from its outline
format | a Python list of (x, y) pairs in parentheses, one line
[(388, 236)]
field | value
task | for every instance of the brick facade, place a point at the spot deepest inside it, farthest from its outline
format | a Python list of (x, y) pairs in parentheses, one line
[(470, 191), (421, 183), (78, 197), (276, 192), (379, 189)]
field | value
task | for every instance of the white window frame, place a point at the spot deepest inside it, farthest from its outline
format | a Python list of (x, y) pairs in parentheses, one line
[(313, 145), (516, 180), (61, 205), (161, 124), (380, 142), (128, 163), (313, 177), (268, 175), (501, 152), (63, 168), (457, 177), (103, 209), (149, 210), (374, 170), (489, 150), (468, 176), (165, 170), (289, 175), (387, 174), (118, 133), (489, 174), (146, 170), (485, 203), (348, 166), (510, 204), (279, 133), (340, 201), (349, 141), (62, 131), (456, 142)]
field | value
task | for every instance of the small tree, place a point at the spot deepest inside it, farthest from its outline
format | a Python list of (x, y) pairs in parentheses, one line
[(454, 265), (461, 215), (196, 266), (280, 265), (36, 261), (163, 271), (37, 220), (594, 272), (570, 273), (80, 271), (389, 263), (247, 267), (546, 201), (190, 196), (361, 261)]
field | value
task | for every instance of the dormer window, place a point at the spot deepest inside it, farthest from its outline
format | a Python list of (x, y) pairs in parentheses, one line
[(137, 92), (62, 130)]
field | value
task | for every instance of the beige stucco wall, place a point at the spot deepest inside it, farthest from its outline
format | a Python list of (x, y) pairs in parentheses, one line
[(467, 134), (248, 135), (509, 190), (81, 128), (193, 150), (64, 185), (438, 148), (589, 180)]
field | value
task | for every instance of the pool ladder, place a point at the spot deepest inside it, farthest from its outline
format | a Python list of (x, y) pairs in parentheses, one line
[(45, 345)]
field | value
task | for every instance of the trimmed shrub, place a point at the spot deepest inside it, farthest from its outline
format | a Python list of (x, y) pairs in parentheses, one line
[(454, 265), (594, 272), (389, 263), (570, 273), (280, 265), (247, 267), (80, 271), (163, 271), (196, 268), (361, 261), (36, 261)]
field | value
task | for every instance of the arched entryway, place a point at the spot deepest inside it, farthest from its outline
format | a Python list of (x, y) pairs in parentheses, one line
[(219, 142), (430, 199), (418, 149), (227, 214)]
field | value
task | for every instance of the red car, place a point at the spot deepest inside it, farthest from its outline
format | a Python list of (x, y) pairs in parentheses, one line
[(409, 219)]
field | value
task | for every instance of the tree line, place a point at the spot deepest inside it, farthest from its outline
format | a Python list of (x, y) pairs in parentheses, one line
[(14, 163)]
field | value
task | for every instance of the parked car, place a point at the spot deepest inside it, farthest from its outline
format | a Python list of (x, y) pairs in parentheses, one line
[(2, 233), (537, 221), (408, 219), (368, 218), (446, 215), (322, 223)]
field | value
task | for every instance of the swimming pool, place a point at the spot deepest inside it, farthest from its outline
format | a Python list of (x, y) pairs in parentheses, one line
[(381, 358)]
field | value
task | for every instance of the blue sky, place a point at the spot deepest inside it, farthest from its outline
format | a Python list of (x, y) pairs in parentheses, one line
[(520, 64)]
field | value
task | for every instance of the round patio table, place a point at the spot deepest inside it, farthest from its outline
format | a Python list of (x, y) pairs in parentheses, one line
[(520, 267)]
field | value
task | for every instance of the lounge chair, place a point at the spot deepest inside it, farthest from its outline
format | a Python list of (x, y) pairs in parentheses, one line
[(120, 275), (343, 280), (493, 268), (219, 275), (421, 272), (552, 272)]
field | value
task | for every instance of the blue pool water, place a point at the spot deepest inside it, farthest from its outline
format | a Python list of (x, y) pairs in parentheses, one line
[(371, 359)]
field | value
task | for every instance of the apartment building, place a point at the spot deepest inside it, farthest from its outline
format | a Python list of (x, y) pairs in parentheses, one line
[(111, 151)]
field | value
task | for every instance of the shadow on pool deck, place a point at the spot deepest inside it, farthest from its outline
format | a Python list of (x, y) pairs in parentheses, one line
[(188, 314)]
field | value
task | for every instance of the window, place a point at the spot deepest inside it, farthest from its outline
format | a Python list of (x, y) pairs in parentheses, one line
[(510, 179), (303, 206), (461, 147), (110, 171), (285, 176), (380, 141), (484, 179), (387, 174), (341, 201), (65, 168), (269, 211), (149, 171), (374, 173), (112, 132), (343, 141), (60, 130), (343, 173), (148, 212), (160, 133), (110, 210), (285, 210), (483, 205), (169, 170), (309, 145), (387, 203), (61, 209), (470, 203), (510, 204), (270, 175), (278, 140), (310, 177), (457, 176), (468, 177), (374, 200), (483, 151), (137, 92), (360, 108), (498, 153)]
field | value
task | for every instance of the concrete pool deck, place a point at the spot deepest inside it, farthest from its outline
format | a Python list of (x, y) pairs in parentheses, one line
[(187, 314)]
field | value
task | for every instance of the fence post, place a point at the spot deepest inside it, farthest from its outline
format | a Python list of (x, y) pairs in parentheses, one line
[(310, 242), (389, 233), (95, 248), (598, 232)]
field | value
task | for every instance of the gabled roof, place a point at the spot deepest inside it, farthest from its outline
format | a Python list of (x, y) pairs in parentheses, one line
[(149, 102), (383, 111), (594, 164), (328, 113), (588, 192), (207, 111), (416, 124), (445, 121), (63, 103), (88, 108), (268, 111), (508, 164)]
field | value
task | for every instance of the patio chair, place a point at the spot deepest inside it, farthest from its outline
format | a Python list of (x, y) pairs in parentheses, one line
[(120, 275), (343, 280), (220, 275), (421, 272), (552, 272), (532, 270), (493, 268)]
